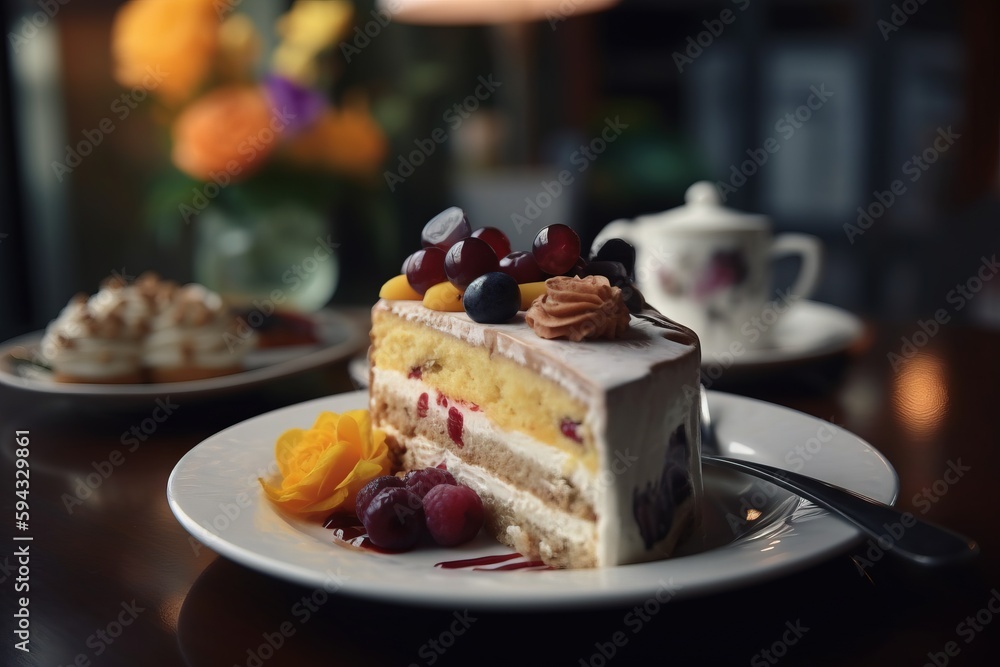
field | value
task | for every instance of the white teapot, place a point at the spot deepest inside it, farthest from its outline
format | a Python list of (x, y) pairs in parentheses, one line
[(710, 268)]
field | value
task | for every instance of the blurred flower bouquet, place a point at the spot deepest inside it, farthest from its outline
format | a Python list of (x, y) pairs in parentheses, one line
[(266, 149)]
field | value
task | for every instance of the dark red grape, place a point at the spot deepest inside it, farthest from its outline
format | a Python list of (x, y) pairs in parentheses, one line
[(467, 260), (394, 519), (522, 267), (425, 268), (492, 298), (370, 490), (556, 248), (578, 269), (614, 271), (446, 229), (496, 238), (455, 514), (422, 481)]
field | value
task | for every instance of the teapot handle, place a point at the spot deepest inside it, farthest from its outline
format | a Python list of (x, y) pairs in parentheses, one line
[(621, 229)]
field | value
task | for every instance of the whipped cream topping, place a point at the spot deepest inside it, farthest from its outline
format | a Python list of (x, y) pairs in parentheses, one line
[(93, 338), (190, 330), (579, 309)]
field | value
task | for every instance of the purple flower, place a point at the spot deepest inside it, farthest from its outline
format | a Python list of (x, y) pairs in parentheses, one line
[(296, 106)]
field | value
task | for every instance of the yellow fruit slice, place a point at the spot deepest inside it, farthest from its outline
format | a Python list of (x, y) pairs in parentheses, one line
[(530, 292), (444, 296), (398, 289)]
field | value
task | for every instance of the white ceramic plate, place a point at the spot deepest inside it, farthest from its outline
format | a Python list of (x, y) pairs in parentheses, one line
[(213, 492), (809, 330), (339, 337)]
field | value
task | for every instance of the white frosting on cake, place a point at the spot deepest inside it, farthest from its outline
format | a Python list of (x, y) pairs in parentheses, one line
[(639, 390)]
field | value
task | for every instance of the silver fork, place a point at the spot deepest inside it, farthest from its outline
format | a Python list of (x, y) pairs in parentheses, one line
[(918, 541)]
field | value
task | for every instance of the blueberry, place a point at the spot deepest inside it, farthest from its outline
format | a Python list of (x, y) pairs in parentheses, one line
[(492, 298), (618, 250)]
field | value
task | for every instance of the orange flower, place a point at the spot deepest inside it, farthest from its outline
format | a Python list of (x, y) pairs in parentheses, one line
[(346, 140), (174, 39), (324, 467), (230, 130)]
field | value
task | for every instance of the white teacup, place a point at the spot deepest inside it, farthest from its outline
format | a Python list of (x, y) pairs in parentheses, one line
[(710, 268)]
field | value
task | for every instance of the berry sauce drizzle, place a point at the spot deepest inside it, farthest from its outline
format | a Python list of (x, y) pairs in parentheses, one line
[(478, 564), (348, 532)]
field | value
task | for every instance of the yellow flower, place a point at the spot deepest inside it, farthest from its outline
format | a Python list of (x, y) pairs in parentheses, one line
[(316, 24), (229, 130), (309, 27), (324, 467), (173, 38)]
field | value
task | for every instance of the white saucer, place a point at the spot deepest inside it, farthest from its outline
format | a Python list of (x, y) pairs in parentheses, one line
[(339, 337), (808, 330), (214, 493)]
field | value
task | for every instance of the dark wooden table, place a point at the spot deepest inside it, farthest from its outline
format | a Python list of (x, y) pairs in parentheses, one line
[(114, 579)]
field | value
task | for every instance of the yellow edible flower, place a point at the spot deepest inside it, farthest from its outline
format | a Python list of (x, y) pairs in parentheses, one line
[(324, 467)]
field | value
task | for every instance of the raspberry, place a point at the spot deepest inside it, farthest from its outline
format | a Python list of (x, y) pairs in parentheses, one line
[(422, 481), (370, 490), (394, 519), (454, 514)]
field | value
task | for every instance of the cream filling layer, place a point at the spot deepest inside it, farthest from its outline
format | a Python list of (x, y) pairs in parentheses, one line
[(524, 504), (92, 357), (202, 347), (550, 460), (598, 489)]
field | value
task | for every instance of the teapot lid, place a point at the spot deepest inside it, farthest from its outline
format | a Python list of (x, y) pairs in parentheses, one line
[(704, 210)]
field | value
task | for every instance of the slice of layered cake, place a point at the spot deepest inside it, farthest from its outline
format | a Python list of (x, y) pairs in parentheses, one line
[(576, 422)]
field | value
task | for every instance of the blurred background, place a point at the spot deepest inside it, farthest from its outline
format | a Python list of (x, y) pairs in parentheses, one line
[(110, 165)]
